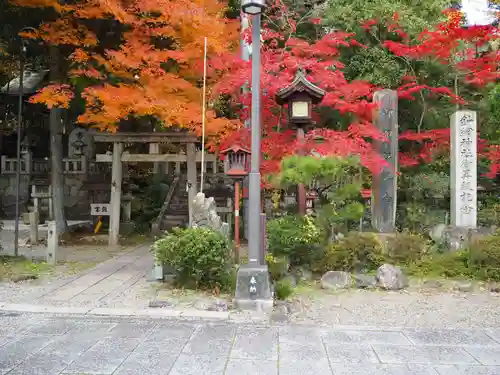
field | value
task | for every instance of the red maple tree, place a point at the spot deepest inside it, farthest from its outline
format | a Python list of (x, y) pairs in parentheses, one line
[(451, 44), (283, 54)]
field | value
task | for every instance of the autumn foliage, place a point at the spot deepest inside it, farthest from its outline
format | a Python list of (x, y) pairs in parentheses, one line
[(282, 54), (154, 68)]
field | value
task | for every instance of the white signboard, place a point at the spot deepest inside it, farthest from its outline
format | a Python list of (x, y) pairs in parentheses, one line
[(464, 169), (100, 209)]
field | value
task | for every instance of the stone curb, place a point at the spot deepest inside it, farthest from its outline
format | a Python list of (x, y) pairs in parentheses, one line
[(150, 313)]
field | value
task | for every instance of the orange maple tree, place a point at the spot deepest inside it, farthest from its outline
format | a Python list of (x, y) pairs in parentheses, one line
[(154, 69)]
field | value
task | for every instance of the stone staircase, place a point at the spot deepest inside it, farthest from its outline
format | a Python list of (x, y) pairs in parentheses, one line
[(177, 214), (175, 211)]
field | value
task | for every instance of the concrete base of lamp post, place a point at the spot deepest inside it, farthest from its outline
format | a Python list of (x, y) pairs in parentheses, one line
[(253, 289)]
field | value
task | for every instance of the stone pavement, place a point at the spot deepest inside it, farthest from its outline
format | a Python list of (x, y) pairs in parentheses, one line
[(46, 345), (119, 281)]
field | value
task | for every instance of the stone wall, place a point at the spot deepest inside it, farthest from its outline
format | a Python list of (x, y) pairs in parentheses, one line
[(8, 194), (78, 194)]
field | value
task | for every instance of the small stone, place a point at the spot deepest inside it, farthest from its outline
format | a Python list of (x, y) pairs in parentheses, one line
[(159, 304), (19, 278), (364, 281), (202, 305), (463, 287), (432, 284), (334, 280), (494, 287), (390, 277), (218, 305), (294, 307)]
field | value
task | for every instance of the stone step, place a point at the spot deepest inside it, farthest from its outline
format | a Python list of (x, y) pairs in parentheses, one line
[(175, 218)]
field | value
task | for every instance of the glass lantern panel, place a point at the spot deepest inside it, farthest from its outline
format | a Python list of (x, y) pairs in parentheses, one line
[(300, 109)]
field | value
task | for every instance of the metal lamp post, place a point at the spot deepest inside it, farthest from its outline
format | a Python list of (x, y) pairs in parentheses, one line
[(254, 8), (253, 287), (19, 128)]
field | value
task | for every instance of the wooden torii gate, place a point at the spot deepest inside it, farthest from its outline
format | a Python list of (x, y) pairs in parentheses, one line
[(118, 157)]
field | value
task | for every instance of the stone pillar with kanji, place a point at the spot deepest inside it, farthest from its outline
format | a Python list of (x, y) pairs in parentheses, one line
[(464, 169), (384, 200)]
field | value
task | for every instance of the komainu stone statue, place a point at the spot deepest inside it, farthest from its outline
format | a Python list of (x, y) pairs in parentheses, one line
[(204, 214)]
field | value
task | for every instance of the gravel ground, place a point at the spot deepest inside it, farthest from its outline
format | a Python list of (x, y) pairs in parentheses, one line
[(412, 308)]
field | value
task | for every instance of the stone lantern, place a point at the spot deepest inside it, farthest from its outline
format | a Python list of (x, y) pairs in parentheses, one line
[(236, 166), (300, 96)]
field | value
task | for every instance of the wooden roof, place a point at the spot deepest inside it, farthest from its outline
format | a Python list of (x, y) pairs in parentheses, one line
[(300, 84)]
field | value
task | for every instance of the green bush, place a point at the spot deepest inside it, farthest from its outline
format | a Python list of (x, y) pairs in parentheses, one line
[(359, 252), (406, 247), (277, 266), (485, 258), (283, 289), (451, 264), (200, 257), (297, 238)]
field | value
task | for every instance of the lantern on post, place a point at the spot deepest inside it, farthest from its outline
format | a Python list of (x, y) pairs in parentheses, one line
[(366, 194), (300, 96), (236, 166)]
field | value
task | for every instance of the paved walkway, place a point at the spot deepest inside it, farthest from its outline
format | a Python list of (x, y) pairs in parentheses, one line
[(120, 281), (35, 344)]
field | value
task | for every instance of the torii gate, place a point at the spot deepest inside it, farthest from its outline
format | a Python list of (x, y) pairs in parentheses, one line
[(118, 157)]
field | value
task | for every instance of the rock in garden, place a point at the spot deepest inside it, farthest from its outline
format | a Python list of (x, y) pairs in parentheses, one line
[(364, 281), (160, 304), (463, 286), (494, 287), (218, 305), (432, 284), (390, 277), (336, 280)]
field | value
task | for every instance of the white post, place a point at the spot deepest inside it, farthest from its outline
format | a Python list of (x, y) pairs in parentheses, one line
[(154, 149), (51, 207), (33, 227), (116, 192), (464, 169), (52, 243), (35, 199)]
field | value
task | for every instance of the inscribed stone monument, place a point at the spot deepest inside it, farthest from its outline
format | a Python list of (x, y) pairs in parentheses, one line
[(463, 169), (80, 143), (204, 214), (385, 184)]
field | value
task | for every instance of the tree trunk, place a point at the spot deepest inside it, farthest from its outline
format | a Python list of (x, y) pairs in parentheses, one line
[(56, 153)]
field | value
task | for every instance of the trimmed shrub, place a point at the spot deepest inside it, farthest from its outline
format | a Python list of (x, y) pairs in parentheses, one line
[(200, 257), (484, 259), (452, 264), (358, 252), (406, 247), (297, 238), (283, 289), (278, 266)]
